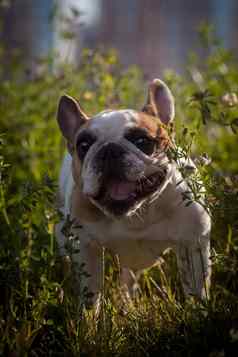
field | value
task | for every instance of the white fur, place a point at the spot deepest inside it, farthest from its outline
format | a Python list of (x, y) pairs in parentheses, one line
[(66, 184), (104, 128)]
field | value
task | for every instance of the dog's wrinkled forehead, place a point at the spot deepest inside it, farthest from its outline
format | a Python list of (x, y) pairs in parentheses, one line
[(112, 124)]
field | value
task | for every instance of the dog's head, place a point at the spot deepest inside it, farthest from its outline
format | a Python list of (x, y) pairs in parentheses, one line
[(119, 156)]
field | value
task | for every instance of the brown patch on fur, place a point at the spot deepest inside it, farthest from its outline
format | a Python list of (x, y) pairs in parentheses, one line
[(149, 109), (84, 125), (156, 129), (163, 139), (76, 167), (149, 123)]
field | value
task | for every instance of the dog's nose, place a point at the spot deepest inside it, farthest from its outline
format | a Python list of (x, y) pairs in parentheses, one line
[(110, 159), (110, 151)]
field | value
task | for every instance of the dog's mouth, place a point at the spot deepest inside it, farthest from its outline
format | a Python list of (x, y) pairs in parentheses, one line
[(118, 196)]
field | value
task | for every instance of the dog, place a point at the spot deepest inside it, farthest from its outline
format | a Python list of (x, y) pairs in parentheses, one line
[(126, 194)]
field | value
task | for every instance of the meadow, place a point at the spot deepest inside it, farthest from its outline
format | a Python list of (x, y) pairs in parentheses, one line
[(39, 312)]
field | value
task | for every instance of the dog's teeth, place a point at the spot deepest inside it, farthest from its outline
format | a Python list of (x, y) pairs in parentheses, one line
[(152, 181)]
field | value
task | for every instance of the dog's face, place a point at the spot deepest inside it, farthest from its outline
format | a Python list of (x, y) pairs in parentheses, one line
[(119, 156)]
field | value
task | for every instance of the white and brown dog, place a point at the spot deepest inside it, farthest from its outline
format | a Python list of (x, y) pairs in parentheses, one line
[(118, 183)]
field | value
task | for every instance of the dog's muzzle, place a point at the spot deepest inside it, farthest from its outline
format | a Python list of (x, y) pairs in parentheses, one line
[(110, 162), (123, 182)]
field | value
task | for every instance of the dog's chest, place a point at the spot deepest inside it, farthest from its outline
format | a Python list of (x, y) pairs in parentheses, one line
[(136, 248), (107, 233), (138, 254)]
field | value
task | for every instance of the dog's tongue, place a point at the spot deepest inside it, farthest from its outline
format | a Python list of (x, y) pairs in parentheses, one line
[(119, 190)]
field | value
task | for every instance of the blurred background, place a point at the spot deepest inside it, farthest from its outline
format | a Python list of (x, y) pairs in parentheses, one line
[(154, 34)]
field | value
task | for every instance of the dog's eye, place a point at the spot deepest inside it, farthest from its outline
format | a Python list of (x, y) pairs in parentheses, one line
[(83, 145), (145, 144), (141, 141)]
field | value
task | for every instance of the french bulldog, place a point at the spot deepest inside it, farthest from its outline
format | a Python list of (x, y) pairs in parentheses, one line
[(126, 194)]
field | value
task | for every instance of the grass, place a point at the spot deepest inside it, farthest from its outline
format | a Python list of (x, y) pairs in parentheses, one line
[(39, 312)]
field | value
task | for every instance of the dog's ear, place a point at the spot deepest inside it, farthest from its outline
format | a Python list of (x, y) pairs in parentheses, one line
[(70, 117), (160, 101)]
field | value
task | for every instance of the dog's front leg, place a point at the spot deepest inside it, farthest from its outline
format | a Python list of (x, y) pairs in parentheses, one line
[(85, 256), (193, 259), (87, 267)]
